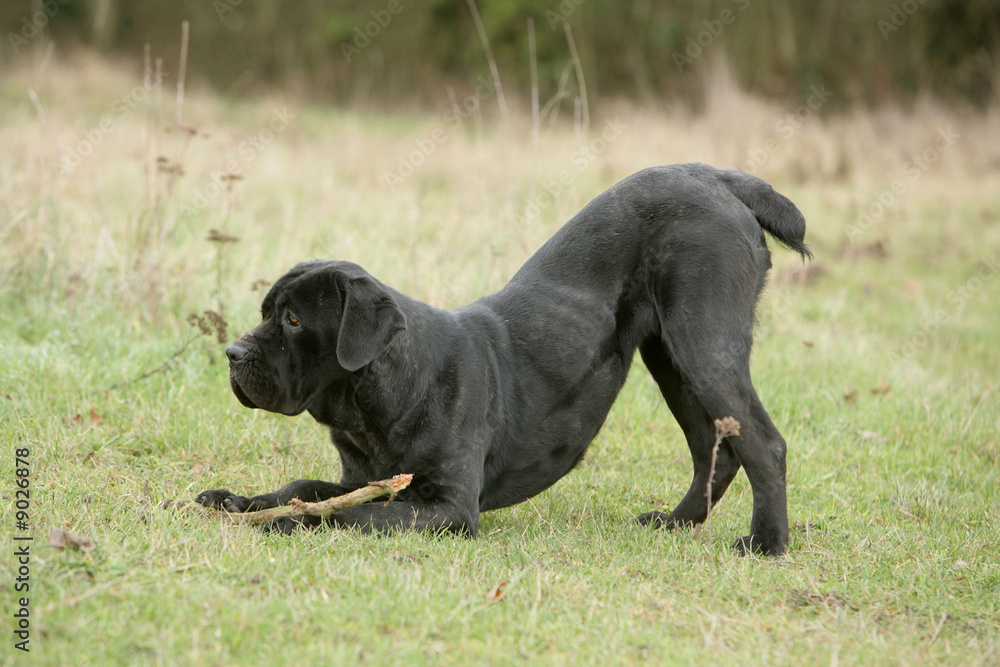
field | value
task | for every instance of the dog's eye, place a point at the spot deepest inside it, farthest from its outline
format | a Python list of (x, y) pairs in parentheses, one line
[(291, 319)]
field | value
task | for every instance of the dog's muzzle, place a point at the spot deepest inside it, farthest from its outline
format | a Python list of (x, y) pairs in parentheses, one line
[(238, 367)]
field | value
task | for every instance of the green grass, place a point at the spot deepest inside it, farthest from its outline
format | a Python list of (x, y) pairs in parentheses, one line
[(893, 494)]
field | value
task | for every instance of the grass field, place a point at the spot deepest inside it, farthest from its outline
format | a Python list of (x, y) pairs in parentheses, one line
[(879, 361)]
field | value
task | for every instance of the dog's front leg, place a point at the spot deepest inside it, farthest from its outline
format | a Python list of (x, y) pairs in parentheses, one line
[(403, 515), (306, 490)]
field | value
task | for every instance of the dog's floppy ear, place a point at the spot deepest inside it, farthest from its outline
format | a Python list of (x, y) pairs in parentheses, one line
[(369, 321)]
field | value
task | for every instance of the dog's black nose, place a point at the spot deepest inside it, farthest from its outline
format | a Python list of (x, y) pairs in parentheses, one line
[(236, 352)]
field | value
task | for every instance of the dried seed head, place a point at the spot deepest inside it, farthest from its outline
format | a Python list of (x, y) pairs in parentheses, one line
[(726, 427)]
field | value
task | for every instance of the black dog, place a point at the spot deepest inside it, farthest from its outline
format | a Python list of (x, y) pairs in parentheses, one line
[(492, 403)]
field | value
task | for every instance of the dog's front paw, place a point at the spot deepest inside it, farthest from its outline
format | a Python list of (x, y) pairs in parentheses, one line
[(662, 520), (222, 499)]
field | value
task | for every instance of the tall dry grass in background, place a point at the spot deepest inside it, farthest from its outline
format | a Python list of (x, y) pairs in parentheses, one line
[(457, 226)]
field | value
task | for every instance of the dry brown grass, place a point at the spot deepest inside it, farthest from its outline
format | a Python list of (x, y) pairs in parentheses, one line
[(453, 229)]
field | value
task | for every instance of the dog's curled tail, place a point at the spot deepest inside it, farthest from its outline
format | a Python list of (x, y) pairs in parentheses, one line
[(775, 212)]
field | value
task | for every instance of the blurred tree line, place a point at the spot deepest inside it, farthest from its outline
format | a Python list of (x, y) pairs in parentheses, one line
[(396, 51)]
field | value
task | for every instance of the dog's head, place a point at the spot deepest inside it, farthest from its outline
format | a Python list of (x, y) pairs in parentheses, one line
[(321, 322)]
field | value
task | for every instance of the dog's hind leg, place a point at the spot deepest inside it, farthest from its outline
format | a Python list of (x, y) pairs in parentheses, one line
[(699, 429), (702, 381), (761, 450)]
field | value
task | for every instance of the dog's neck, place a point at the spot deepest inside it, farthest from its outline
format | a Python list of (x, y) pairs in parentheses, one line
[(381, 388), (337, 407)]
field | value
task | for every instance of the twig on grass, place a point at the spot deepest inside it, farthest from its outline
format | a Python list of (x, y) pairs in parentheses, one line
[(297, 507), (724, 428)]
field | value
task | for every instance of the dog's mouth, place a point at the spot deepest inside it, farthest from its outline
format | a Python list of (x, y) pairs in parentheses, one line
[(240, 394), (246, 384)]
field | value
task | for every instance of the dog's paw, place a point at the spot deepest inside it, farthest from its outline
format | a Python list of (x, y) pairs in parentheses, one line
[(654, 519), (287, 525), (657, 520), (754, 545), (222, 499)]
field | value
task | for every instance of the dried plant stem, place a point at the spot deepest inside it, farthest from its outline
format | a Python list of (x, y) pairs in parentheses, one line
[(585, 107), (181, 75), (154, 220), (494, 70), (162, 368), (296, 507), (181, 134), (553, 104), (533, 61), (724, 428), (148, 154), (147, 219)]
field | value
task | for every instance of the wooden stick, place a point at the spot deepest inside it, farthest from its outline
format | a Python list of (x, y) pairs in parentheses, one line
[(297, 507)]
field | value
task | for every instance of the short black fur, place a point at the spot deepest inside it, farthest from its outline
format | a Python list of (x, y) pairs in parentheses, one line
[(492, 403)]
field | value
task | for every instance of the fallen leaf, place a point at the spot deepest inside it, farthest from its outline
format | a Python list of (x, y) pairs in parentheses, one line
[(215, 236), (804, 526), (60, 539), (80, 420), (883, 388), (876, 250), (496, 593)]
